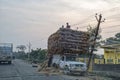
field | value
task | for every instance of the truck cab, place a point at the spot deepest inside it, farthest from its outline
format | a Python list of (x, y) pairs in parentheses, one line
[(69, 64)]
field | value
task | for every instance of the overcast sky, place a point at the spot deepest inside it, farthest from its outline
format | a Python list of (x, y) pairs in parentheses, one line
[(24, 21)]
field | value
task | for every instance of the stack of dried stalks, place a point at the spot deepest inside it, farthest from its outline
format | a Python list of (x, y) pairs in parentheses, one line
[(68, 41), (43, 68)]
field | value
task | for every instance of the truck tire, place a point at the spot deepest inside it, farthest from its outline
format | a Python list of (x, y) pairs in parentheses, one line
[(9, 62), (84, 74), (66, 70), (55, 65)]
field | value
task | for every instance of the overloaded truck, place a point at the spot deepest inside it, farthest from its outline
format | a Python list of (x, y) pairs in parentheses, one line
[(6, 51), (65, 45)]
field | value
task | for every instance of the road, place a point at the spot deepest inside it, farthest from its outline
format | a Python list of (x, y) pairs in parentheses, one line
[(21, 70)]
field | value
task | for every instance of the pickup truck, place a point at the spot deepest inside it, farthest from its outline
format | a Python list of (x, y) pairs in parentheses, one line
[(69, 65)]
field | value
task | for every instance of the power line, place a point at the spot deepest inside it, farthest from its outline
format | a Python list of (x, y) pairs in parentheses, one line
[(88, 18), (111, 26), (113, 15), (112, 32), (104, 28), (82, 21), (111, 9)]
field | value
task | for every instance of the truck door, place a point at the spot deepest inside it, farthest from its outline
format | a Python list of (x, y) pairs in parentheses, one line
[(62, 62)]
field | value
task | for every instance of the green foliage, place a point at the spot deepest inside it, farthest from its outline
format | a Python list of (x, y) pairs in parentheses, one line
[(20, 55), (38, 55), (92, 31), (21, 52), (113, 40), (117, 35)]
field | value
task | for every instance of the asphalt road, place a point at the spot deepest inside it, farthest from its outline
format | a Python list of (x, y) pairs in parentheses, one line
[(20, 70)]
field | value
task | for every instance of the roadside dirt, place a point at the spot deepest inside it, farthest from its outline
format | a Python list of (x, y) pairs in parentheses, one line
[(89, 76)]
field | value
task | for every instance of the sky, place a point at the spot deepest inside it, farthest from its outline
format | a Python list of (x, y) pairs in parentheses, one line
[(24, 21)]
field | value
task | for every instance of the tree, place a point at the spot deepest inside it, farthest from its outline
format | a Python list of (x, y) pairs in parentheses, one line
[(113, 40), (21, 48), (91, 31), (42, 55), (38, 55), (21, 51), (33, 55), (117, 35)]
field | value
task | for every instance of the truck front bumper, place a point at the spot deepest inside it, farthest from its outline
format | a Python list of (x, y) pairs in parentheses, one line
[(4, 59), (77, 71)]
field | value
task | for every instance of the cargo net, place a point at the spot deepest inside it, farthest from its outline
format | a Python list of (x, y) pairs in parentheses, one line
[(68, 41)]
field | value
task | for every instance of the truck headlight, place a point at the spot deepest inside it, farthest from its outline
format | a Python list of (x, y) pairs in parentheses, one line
[(72, 66)]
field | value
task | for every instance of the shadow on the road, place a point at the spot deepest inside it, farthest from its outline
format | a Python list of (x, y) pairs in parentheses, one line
[(77, 75), (4, 63)]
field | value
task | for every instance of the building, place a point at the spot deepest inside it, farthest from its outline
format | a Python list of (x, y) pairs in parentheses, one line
[(112, 54), (99, 61)]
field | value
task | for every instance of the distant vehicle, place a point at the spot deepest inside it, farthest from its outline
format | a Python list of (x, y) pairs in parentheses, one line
[(6, 51), (69, 64)]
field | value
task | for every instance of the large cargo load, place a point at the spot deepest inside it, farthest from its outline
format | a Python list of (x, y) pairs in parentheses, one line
[(68, 41), (6, 51)]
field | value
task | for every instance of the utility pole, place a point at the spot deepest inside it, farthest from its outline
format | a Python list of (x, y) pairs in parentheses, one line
[(29, 50), (99, 20)]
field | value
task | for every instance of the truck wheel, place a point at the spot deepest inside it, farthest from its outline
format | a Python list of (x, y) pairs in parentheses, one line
[(83, 73), (9, 62), (54, 65), (66, 70)]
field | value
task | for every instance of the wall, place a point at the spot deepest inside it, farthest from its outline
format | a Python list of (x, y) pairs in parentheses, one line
[(107, 67)]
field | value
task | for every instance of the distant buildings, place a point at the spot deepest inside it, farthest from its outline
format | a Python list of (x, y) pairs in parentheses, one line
[(111, 55)]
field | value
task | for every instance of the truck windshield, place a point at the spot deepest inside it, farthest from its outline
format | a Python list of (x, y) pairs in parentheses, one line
[(70, 58), (5, 50)]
